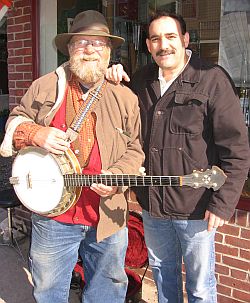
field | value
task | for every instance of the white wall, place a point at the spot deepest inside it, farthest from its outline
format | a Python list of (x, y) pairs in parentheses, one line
[(48, 31)]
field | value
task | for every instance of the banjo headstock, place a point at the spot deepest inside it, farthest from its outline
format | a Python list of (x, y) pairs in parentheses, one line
[(211, 178)]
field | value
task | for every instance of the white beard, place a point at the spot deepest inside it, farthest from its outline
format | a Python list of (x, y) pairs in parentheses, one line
[(87, 68)]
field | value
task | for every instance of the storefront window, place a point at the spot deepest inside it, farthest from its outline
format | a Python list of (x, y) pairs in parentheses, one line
[(203, 24), (67, 10), (129, 18)]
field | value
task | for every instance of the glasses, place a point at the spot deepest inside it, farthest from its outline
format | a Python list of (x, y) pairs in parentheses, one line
[(96, 44)]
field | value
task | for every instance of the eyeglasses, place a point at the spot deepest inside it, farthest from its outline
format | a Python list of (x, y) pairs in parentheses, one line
[(96, 44)]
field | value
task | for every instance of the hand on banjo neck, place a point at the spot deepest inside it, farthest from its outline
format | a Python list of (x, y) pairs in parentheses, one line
[(104, 190)]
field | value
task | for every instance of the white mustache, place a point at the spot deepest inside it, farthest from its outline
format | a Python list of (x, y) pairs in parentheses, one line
[(88, 58)]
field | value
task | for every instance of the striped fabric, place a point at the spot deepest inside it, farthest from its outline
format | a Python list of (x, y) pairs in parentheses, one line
[(86, 136)]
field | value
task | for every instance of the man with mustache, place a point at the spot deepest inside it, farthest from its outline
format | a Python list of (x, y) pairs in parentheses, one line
[(191, 120), (108, 142)]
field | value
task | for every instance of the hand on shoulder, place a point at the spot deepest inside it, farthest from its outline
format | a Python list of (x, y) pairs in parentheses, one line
[(116, 74)]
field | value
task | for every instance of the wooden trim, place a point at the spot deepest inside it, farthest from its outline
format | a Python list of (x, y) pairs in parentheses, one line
[(189, 10), (35, 28), (244, 204)]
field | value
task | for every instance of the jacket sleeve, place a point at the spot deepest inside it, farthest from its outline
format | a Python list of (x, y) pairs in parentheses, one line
[(231, 140), (31, 103), (24, 112)]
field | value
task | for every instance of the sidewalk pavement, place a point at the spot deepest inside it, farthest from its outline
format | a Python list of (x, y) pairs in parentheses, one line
[(15, 279)]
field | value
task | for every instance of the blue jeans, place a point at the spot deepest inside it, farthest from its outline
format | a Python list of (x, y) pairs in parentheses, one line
[(170, 240), (54, 253)]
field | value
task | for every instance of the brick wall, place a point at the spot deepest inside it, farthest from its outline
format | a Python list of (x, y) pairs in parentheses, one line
[(20, 75), (232, 240), (19, 50), (233, 259)]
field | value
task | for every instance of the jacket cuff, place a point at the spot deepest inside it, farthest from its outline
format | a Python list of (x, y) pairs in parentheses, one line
[(24, 134), (7, 147), (33, 132)]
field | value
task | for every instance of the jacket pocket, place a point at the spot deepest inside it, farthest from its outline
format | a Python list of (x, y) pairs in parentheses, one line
[(43, 97), (44, 102), (187, 113), (122, 139)]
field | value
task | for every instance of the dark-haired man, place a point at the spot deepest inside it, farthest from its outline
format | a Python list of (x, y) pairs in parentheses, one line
[(191, 119)]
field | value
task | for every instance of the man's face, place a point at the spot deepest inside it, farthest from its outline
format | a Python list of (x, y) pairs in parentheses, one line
[(89, 57), (167, 44)]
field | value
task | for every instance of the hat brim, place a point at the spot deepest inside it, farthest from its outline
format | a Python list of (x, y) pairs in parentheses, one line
[(62, 40)]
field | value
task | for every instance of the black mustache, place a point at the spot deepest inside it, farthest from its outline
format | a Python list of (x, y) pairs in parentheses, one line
[(164, 52)]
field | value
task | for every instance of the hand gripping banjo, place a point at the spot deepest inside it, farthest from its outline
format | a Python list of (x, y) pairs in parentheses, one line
[(50, 184)]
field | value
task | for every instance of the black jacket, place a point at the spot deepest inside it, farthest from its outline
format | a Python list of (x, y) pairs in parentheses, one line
[(197, 123)]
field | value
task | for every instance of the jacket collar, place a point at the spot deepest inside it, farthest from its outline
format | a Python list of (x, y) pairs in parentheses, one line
[(151, 77), (192, 72)]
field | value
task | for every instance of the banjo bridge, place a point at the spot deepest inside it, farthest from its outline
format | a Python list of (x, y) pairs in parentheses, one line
[(29, 182)]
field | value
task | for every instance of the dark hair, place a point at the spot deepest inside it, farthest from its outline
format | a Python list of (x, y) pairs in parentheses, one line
[(158, 14)]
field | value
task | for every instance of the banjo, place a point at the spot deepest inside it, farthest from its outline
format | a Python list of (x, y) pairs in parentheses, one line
[(50, 184)]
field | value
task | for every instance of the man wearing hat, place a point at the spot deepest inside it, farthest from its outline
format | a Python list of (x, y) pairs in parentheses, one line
[(107, 141)]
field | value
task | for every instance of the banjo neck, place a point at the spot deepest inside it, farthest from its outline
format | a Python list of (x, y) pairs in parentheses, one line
[(122, 180), (211, 178)]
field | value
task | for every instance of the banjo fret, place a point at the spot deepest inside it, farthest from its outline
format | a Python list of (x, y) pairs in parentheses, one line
[(79, 180)]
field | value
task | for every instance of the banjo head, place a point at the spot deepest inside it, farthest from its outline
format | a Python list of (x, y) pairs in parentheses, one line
[(40, 186)]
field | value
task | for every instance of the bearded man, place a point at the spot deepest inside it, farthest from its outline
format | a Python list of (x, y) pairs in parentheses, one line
[(107, 141)]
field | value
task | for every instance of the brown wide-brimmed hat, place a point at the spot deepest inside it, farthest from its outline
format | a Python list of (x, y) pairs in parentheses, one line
[(88, 23)]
